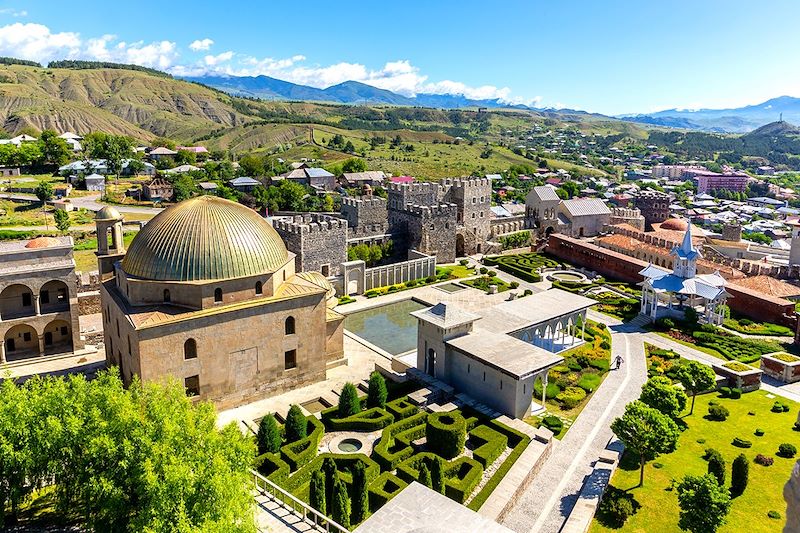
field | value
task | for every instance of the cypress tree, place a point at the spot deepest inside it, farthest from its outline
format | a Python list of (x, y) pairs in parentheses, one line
[(341, 504), (349, 404), (437, 478), (716, 467), (296, 424), (331, 475), (740, 471), (377, 393), (269, 435), (317, 492), (425, 475), (360, 499)]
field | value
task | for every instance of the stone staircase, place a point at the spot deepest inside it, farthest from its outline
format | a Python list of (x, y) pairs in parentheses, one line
[(639, 322)]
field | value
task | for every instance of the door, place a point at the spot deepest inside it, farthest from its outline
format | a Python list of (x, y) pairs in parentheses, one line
[(48, 338)]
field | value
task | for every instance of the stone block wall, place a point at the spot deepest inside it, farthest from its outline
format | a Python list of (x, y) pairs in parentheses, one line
[(404, 194), (366, 216), (319, 242), (428, 229)]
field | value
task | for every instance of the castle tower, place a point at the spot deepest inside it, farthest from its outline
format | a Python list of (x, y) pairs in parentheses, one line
[(794, 253), (110, 242)]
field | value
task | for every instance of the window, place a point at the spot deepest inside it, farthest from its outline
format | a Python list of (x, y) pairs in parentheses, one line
[(501, 384), (289, 326), (45, 299), (468, 367), (192, 385), (326, 270), (117, 327), (217, 295), (473, 215), (190, 349), (26, 299), (259, 288), (62, 295), (167, 297), (26, 336), (130, 348), (290, 359), (63, 331), (484, 375)]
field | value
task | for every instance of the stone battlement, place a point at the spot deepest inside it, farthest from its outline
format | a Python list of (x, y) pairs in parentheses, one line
[(363, 201), (414, 187), (625, 212), (466, 182), (311, 223), (430, 211)]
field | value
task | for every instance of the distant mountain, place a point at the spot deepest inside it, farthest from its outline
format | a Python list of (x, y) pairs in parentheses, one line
[(349, 92), (736, 120)]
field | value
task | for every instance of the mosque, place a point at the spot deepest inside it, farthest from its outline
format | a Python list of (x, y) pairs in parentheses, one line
[(207, 293)]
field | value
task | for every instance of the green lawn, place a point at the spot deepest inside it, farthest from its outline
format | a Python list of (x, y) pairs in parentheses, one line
[(659, 506)]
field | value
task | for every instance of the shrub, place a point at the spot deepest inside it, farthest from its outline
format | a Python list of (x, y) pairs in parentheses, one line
[(605, 345), (489, 444), (736, 393), (483, 270), (716, 467), (316, 495), (272, 467), (268, 438), (376, 397), (589, 382), (552, 389), (491, 273), (787, 450), (571, 397), (387, 453), (665, 324), (360, 503), (384, 488), (401, 408), (745, 322), (616, 507), (600, 364), (296, 424), (299, 453), (740, 471), (775, 515), (725, 392), (514, 284), (759, 432), (445, 433), (437, 476), (764, 460), (425, 476), (349, 404), (553, 423), (527, 292), (718, 413), (574, 365), (582, 360), (340, 508), (463, 262), (780, 407), (741, 443)]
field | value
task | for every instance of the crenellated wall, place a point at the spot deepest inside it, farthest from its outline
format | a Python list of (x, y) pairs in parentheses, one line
[(319, 241)]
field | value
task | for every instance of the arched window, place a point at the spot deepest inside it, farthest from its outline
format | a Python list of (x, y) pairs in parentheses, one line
[(290, 325), (167, 298), (259, 288), (217, 295), (190, 349)]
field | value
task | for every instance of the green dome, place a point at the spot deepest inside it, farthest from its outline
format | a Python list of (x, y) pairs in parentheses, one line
[(205, 238)]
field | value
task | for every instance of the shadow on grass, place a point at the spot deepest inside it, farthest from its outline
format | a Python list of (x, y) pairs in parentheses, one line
[(629, 462)]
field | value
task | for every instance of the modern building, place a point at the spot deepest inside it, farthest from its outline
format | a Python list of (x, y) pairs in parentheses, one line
[(496, 356), (709, 181), (208, 294), (38, 298)]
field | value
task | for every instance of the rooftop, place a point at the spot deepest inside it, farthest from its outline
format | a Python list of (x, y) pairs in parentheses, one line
[(509, 355), (586, 207)]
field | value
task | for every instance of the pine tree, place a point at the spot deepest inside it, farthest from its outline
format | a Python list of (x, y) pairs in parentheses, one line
[(296, 424), (331, 475), (269, 435), (740, 471), (349, 404), (360, 497), (341, 504), (317, 492), (437, 478), (425, 476), (377, 394)]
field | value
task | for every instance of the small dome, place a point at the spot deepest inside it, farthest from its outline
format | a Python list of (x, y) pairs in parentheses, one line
[(205, 238), (674, 224), (43, 242), (108, 213), (321, 281)]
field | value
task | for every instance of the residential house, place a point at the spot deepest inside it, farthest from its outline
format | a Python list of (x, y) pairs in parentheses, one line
[(244, 184), (95, 182), (373, 178), (158, 189), (160, 153)]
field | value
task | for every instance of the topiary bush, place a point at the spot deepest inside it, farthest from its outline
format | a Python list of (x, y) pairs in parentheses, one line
[(780, 407), (775, 515), (741, 443), (349, 404), (716, 466), (384, 488), (764, 460), (759, 432), (736, 393), (553, 423), (488, 444), (296, 424), (787, 450), (571, 397), (268, 439), (740, 471), (718, 413), (514, 284), (446, 433), (377, 393)]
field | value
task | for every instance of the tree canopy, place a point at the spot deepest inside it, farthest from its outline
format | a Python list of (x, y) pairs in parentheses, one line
[(696, 377), (659, 393), (704, 504)]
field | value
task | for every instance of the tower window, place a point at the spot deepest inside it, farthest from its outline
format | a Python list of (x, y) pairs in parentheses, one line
[(190, 349), (217, 295), (167, 298), (259, 288), (290, 359), (289, 326), (192, 385)]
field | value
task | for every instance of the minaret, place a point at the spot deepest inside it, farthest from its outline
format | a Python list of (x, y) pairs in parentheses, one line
[(794, 252), (108, 222)]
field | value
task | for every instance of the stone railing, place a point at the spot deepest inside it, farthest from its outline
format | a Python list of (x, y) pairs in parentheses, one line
[(421, 266)]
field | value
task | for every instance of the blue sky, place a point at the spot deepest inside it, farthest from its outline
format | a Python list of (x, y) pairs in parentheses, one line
[(607, 56)]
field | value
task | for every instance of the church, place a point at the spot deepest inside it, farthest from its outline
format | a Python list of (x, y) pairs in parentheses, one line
[(207, 294)]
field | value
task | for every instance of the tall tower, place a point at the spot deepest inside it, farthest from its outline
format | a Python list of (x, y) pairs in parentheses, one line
[(794, 253), (686, 256), (110, 243)]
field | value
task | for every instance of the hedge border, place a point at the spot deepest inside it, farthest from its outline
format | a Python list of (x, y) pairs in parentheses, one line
[(296, 454), (378, 496), (458, 485), (371, 419), (401, 408), (382, 450), (490, 445), (443, 438)]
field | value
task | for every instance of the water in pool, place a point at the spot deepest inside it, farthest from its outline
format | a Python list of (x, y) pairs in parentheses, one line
[(389, 327)]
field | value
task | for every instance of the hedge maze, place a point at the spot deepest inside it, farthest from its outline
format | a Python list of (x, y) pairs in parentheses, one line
[(523, 266), (398, 455)]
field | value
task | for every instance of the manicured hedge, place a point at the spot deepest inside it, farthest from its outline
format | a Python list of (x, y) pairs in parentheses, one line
[(401, 408), (445, 433), (518, 441), (389, 453), (489, 444), (553, 423), (344, 464), (369, 420), (461, 475), (744, 350), (272, 467), (300, 452), (523, 266), (384, 488)]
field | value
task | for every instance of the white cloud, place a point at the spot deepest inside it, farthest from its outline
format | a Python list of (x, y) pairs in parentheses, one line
[(16, 13), (224, 57), (201, 44), (37, 43)]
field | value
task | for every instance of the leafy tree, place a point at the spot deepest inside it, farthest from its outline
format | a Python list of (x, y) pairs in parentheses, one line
[(185, 157), (252, 165), (659, 393), (296, 427), (331, 476), (62, 219), (425, 476), (696, 377), (716, 466), (740, 471), (646, 432), (268, 438), (360, 506), (183, 187), (163, 142), (55, 150), (135, 166), (349, 148), (113, 148), (340, 510), (377, 393), (354, 164), (437, 476), (317, 492), (349, 404), (44, 191), (704, 504)]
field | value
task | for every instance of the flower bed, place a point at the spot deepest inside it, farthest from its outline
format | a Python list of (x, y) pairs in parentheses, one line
[(749, 327), (781, 366), (523, 266), (483, 283)]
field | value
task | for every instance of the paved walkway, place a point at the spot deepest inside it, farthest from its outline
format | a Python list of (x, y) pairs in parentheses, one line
[(554, 491)]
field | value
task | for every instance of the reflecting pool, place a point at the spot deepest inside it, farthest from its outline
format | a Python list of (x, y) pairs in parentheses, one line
[(390, 327)]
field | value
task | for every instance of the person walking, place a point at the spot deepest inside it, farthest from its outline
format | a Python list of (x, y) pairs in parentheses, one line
[(618, 362)]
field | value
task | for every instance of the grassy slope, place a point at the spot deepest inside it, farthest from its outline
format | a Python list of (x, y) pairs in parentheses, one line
[(660, 510)]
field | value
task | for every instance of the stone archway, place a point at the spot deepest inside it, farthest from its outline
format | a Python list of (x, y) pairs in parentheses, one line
[(21, 341), (58, 337), (16, 301), (460, 245)]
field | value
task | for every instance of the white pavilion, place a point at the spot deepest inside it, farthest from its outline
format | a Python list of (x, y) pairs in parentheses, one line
[(667, 293)]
